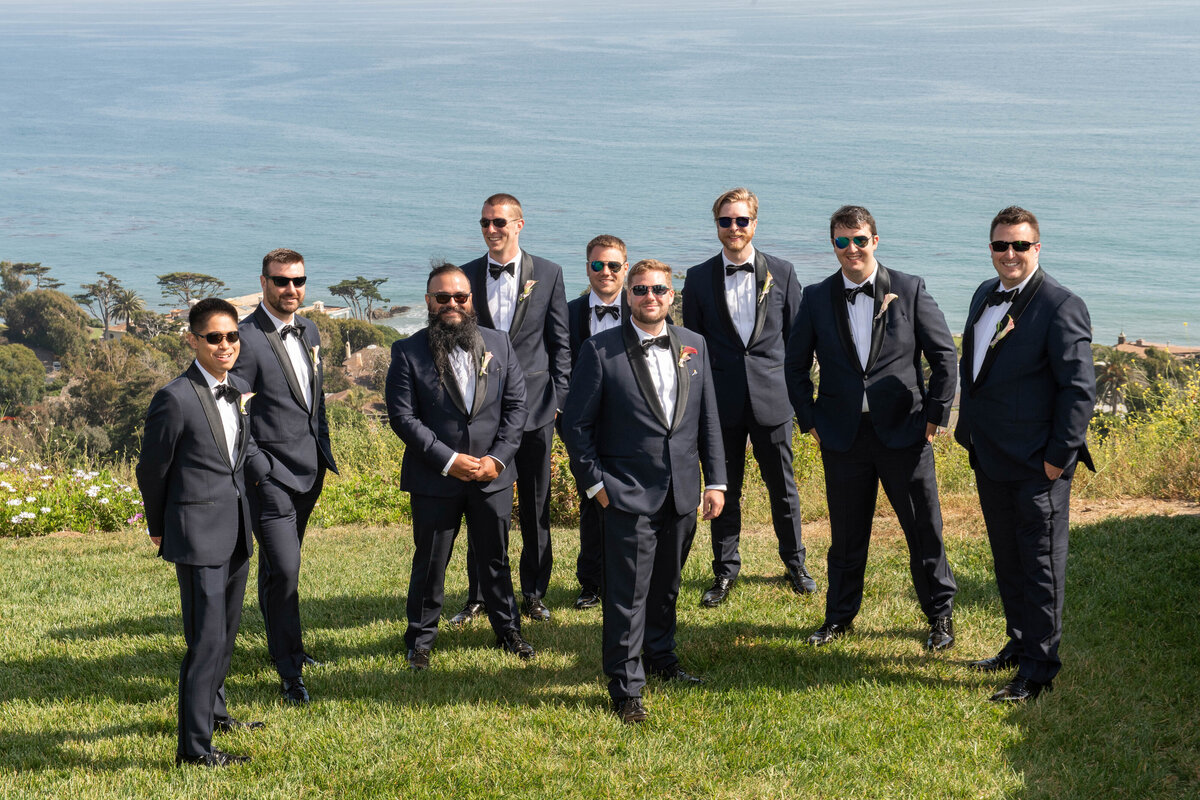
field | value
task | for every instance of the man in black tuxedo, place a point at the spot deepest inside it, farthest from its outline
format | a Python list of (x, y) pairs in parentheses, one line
[(601, 309), (197, 453), (523, 295), (743, 301), (281, 360), (640, 419), (875, 418), (1028, 392), (456, 396)]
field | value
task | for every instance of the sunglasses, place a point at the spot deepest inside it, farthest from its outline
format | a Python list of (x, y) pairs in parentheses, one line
[(443, 298), (742, 222), (1020, 247), (842, 242), (641, 289), (499, 222), (281, 281), (216, 337), (598, 266)]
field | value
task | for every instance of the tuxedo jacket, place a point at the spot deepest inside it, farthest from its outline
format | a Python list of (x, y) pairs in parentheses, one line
[(616, 430), (1036, 388), (296, 436), (538, 332), (901, 403), (753, 370), (435, 421), (194, 498)]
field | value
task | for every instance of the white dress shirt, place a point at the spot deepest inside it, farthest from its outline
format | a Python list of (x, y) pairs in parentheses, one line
[(739, 296), (598, 325), (297, 350), (502, 294), (228, 411), (464, 368), (985, 328), (862, 318)]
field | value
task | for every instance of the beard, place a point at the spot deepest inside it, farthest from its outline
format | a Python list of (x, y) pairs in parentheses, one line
[(445, 336)]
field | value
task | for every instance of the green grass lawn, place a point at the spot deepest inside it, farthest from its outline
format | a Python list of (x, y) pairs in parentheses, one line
[(90, 643)]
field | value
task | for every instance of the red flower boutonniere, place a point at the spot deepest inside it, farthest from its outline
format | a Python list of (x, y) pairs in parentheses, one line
[(686, 353), (483, 365), (1003, 328), (767, 284), (887, 301), (243, 400), (528, 290)]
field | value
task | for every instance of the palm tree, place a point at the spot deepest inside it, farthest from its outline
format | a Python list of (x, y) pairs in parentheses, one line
[(125, 304), (1115, 376)]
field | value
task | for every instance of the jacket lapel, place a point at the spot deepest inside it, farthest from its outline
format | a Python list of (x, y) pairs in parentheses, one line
[(1015, 311), (682, 379), (641, 373), (310, 329), (584, 320), (524, 275), (209, 404), (883, 285), (841, 317), (760, 308), (285, 362), (479, 298), (718, 284), (481, 379)]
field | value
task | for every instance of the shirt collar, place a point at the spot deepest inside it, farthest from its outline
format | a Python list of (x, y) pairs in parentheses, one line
[(643, 336), (594, 300), (749, 260), (212, 382), (278, 322), (516, 260), (870, 279), (1020, 287)]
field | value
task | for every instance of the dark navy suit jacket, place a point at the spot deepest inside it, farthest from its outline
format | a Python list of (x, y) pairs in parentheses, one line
[(435, 421), (296, 436), (616, 430), (757, 366), (900, 402), (538, 332), (1036, 389), (192, 493)]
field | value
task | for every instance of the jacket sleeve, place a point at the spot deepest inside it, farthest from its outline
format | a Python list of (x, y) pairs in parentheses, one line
[(400, 394), (161, 436), (937, 345), (1069, 343), (558, 341), (579, 416), (712, 447), (797, 365), (512, 410)]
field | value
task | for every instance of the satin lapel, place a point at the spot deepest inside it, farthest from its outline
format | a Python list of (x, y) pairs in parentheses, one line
[(760, 309), (641, 373), (682, 379), (209, 404), (585, 321), (883, 285), (481, 380), (1015, 311), (479, 298), (285, 363), (451, 386), (718, 284), (314, 376), (968, 339), (524, 275), (841, 318), (243, 437)]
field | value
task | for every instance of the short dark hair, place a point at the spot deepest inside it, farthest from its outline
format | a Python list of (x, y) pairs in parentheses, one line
[(1015, 215), (606, 240), (853, 217), (442, 268), (207, 308), (281, 255), (503, 199)]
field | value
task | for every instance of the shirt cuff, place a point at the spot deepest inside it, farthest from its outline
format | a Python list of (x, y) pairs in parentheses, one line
[(498, 461), (592, 492), (720, 487), (449, 464)]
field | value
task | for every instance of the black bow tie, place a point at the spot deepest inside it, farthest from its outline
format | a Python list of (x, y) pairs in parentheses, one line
[(495, 269), (852, 294), (613, 311), (290, 330), (227, 392), (997, 297), (656, 341), (732, 268)]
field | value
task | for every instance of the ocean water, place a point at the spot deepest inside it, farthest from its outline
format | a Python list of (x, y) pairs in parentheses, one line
[(145, 138)]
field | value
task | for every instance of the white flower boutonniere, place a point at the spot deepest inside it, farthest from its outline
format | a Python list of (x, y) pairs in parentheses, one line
[(483, 364), (767, 284), (1003, 328), (243, 400), (887, 301), (528, 290), (315, 352)]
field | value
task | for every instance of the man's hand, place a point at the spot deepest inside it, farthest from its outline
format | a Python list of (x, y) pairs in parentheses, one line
[(464, 467), (487, 471), (1052, 472), (601, 497), (813, 433), (157, 540), (931, 430), (713, 502)]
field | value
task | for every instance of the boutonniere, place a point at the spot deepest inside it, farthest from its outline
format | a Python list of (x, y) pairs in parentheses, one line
[(487, 359), (887, 301), (315, 353), (528, 290), (243, 400), (767, 284), (1003, 328), (685, 354)]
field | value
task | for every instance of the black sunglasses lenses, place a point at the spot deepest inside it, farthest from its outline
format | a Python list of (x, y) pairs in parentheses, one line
[(216, 337), (725, 222), (282, 281), (445, 297), (613, 266), (842, 242), (641, 289), (499, 222), (1020, 247)]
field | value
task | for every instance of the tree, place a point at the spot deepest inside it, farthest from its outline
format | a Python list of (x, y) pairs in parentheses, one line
[(186, 286), (101, 297), (147, 325), (47, 318), (126, 304), (1116, 376), (22, 377), (41, 279), (112, 389), (358, 291)]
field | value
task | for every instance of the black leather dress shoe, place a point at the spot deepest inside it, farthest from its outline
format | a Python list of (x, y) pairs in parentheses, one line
[(1020, 690), (589, 597), (716, 594), (941, 634), (229, 725), (630, 710), (309, 661), (676, 673), (470, 611), (996, 663), (513, 643), (418, 658), (802, 583), (293, 691), (535, 609), (828, 632), (214, 759)]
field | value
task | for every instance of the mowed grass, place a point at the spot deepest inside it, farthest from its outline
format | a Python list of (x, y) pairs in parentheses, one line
[(90, 643)]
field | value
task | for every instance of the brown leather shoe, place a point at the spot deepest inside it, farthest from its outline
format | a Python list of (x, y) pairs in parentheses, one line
[(630, 710)]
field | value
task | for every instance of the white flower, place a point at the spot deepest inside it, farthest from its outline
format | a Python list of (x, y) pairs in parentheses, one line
[(46, 509), (16, 501), (15, 520), (13, 459), (103, 501), (31, 499), (92, 491)]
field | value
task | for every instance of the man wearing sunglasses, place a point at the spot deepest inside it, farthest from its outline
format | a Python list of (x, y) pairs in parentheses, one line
[(525, 298), (640, 421), (743, 302), (875, 417), (282, 363), (603, 307), (1028, 392)]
